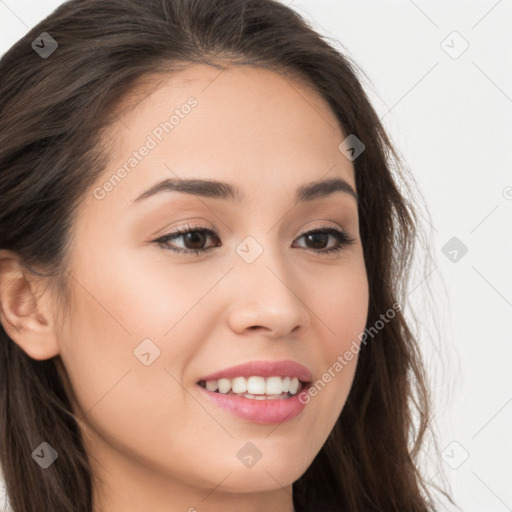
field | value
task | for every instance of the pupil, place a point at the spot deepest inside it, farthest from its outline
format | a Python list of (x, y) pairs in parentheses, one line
[(318, 237), (193, 237)]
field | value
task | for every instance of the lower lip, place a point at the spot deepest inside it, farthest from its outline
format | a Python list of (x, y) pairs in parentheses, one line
[(267, 412)]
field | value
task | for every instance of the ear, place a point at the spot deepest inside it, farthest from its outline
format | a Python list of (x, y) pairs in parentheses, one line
[(25, 311)]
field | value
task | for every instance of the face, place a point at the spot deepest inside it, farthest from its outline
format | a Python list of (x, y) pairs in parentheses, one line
[(160, 318)]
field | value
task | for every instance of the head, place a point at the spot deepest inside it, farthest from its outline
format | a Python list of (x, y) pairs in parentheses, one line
[(114, 319)]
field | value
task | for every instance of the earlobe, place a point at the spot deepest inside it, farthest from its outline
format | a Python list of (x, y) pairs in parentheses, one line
[(25, 313)]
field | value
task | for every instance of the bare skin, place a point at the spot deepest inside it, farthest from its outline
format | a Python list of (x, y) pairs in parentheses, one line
[(155, 439)]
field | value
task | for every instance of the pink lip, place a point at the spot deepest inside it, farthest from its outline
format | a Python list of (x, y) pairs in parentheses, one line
[(259, 411), (263, 369)]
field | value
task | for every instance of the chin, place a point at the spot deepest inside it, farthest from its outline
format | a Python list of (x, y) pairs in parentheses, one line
[(264, 479), (268, 473)]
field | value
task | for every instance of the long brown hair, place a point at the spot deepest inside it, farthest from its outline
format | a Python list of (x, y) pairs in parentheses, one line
[(53, 111)]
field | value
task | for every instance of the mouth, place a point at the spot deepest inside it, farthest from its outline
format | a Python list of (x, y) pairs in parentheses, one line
[(256, 387), (259, 391)]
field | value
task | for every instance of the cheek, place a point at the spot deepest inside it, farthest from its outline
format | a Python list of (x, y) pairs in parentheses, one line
[(341, 307), (123, 402), (126, 314)]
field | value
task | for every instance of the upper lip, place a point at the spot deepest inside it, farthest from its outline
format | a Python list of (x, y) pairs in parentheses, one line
[(264, 369)]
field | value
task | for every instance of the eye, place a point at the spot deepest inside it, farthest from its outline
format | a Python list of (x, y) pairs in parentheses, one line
[(195, 238), (319, 237)]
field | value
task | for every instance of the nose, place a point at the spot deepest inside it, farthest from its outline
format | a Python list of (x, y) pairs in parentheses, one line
[(267, 298)]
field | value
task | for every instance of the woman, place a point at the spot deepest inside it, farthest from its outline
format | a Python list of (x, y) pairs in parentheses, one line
[(201, 248)]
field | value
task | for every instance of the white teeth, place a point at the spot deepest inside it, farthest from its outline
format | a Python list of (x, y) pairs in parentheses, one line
[(274, 386), (211, 385), (239, 385), (294, 386), (224, 385), (255, 387)]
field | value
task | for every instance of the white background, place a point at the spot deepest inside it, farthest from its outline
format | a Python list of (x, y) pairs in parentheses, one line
[(451, 119)]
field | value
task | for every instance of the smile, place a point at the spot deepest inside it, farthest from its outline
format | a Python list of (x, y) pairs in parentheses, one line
[(256, 387), (264, 392)]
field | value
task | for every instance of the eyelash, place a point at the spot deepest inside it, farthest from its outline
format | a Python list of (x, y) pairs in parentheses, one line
[(342, 237)]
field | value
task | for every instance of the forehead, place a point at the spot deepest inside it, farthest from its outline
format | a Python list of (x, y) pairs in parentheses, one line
[(247, 125)]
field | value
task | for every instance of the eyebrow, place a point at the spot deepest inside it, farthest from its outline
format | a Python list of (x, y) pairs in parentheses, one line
[(226, 191)]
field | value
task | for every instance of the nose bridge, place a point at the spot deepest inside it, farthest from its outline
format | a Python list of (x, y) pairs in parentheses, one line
[(262, 260), (267, 292)]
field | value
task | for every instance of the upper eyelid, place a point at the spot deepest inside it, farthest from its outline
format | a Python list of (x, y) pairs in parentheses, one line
[(211, 230), (186, 229)]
